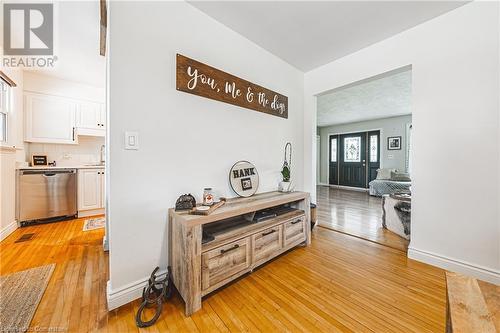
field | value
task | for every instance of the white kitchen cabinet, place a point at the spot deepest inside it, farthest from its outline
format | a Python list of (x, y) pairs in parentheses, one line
[(90, 189), (91, 116), (103, 115), (49, 119), (103, 189)]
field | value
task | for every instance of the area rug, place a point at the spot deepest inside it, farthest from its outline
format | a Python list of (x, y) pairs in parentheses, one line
[(21, 293), (95, 223)]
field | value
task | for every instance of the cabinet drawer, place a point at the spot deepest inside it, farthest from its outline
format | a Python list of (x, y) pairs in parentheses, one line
[(295, 232), (266, 243), (223, 262)]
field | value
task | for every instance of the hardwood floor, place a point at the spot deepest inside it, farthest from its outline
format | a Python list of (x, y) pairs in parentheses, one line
[(75, 297), (338, 284), (355, 213)]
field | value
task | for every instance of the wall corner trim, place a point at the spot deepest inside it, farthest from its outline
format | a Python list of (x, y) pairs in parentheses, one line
[(8, 230), (129, 292), (478, 272)]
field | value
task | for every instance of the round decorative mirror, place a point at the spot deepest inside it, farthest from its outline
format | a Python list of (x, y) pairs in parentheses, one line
[(244, 178)]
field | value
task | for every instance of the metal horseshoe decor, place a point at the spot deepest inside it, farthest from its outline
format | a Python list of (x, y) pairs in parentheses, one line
[(157, 292), (244, 178)]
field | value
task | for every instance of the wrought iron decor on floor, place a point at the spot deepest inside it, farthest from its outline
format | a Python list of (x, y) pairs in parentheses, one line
[(157, 292)]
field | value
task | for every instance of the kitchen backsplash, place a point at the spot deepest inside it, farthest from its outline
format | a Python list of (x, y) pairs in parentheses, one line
[(87, 151)]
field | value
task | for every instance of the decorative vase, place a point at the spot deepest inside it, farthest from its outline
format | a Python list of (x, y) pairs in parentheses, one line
[(285, 186)]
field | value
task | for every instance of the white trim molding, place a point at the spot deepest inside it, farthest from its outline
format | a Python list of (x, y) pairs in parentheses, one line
[(129, 292), (454, 265), (8, 230), (349, 188), (4, 148), (91, 212)]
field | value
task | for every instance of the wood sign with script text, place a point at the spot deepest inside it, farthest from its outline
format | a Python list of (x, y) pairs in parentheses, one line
[(199, 79)]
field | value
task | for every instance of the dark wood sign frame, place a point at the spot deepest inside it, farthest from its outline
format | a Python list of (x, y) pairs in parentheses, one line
[(199, 79), (39, 160)]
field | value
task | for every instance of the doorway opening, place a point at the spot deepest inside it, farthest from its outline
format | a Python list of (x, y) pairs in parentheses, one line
[(58, 119), (364, 131), (354, 158)]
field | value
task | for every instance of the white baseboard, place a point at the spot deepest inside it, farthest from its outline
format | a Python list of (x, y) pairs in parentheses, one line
[(8, 230), (129, 292), (350, 188), (92, 212), (478, 272)]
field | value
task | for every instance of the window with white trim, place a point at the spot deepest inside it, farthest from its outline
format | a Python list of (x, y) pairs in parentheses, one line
[(4, 110)]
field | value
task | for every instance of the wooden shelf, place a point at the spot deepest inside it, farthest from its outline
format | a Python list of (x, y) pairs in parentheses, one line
[(241, 228), (240, 206)]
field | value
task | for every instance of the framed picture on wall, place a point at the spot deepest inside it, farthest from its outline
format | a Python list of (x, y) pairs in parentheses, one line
[(394, 143)]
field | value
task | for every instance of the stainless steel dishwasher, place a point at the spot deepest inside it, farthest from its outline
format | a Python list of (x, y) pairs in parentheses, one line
[(45, 194)]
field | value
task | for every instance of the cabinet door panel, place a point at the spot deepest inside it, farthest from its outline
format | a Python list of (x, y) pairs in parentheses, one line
[(89, 189), (103, 115), (294, 232), (89, 115), (224, 262), (49, 119), (266, 244), (103, 189)]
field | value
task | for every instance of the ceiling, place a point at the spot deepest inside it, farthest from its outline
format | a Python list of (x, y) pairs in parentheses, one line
[(76, 29), (388, 95), (308, 34)]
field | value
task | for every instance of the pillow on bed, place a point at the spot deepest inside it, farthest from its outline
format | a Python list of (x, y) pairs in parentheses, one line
[(400, 176), (385, 173)]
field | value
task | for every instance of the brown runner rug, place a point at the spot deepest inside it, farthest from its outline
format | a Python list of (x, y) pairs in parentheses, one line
[(20, 294)]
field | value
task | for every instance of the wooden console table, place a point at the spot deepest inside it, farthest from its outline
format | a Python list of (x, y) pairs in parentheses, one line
[(198, 269)]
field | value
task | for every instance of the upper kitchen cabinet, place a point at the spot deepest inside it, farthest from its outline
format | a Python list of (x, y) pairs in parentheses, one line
[(91, 119), (50, 119)]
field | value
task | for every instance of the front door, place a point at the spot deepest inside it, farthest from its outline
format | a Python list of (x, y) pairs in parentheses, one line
[(352, 160)]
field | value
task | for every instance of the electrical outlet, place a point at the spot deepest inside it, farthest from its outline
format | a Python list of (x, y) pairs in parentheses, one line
[(66, 156)]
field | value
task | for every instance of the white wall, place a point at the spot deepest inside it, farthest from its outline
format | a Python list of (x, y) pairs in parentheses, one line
[(455, 66), (186, 142), (393, 126)]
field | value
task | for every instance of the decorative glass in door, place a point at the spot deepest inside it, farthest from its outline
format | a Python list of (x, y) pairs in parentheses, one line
[(333, 150), (373, 148), (352, 149)]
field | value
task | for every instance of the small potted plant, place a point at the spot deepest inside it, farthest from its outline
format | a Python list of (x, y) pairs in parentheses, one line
[(286, 185)]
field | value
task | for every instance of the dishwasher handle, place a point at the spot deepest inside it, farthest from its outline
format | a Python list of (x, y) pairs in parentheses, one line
[(47, 173)]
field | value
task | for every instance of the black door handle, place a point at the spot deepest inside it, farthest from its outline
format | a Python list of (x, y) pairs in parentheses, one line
[(229, 250), (269, 232)]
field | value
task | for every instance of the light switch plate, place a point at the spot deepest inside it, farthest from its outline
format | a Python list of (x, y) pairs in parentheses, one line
[(131, 140)]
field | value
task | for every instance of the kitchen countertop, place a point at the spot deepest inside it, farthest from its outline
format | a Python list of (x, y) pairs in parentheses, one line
[(61, 167)]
